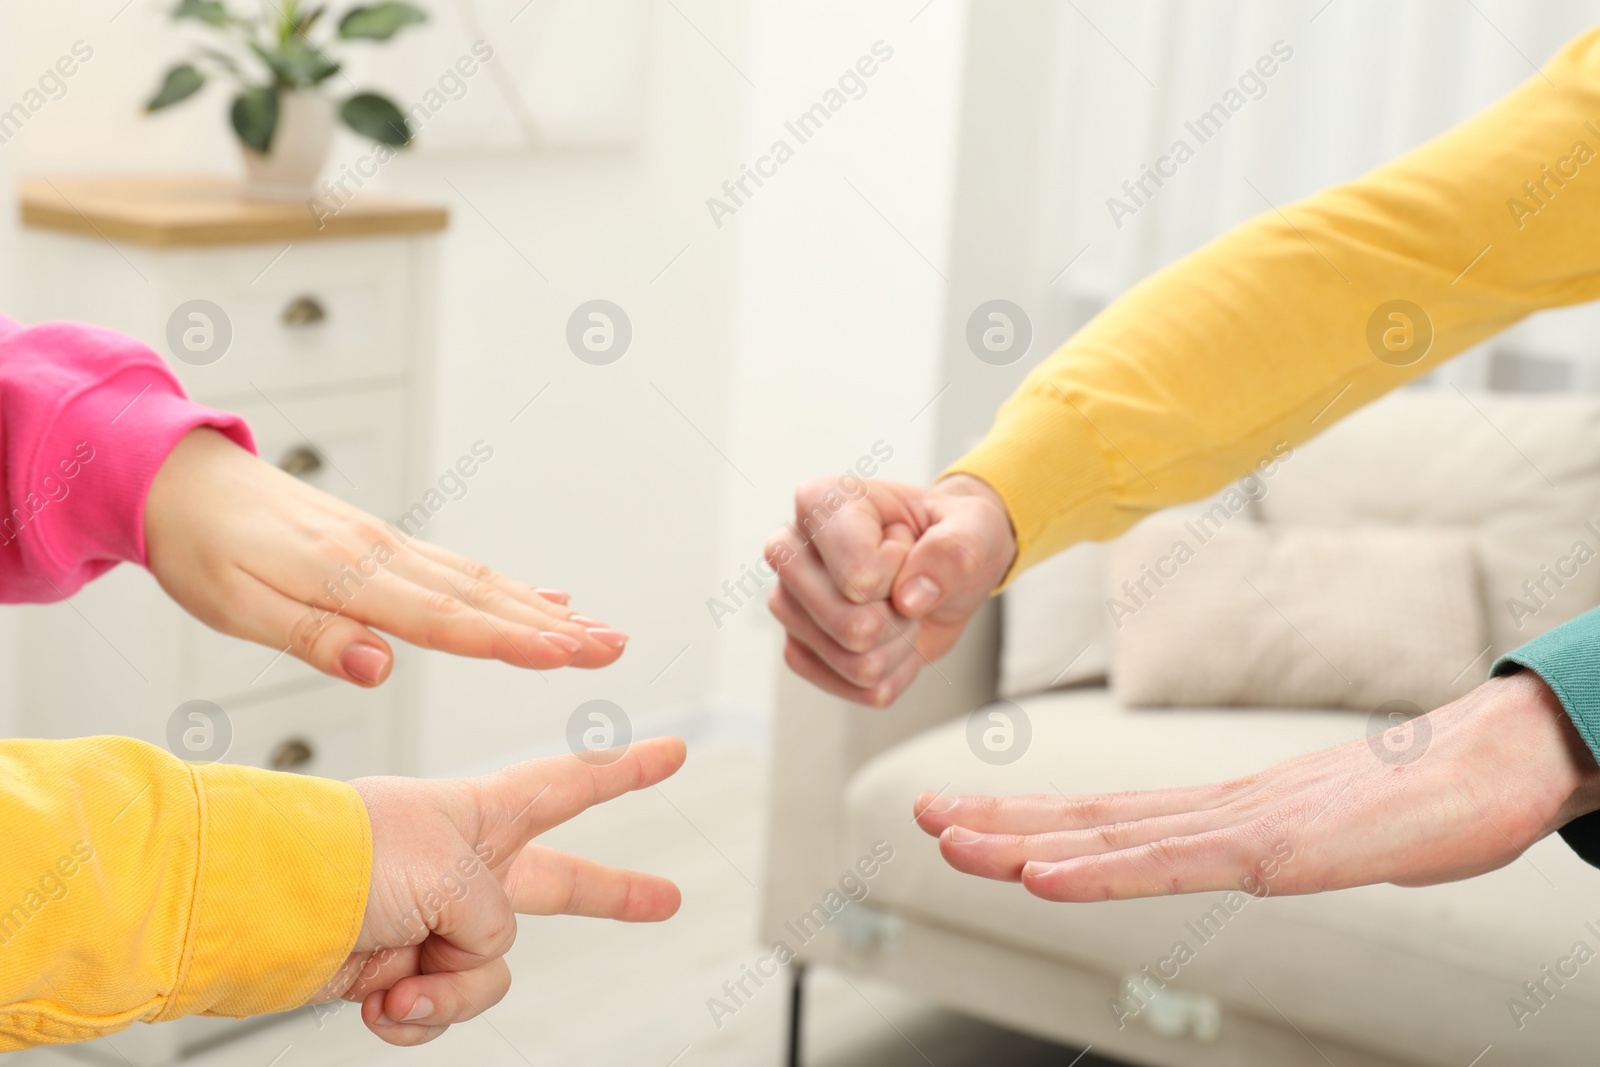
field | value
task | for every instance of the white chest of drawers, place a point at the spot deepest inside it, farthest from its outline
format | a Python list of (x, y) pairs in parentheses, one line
[(330, 362)]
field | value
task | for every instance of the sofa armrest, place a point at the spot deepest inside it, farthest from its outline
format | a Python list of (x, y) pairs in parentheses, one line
[(820, 741)]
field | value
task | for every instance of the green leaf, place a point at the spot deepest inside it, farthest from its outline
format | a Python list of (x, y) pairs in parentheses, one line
[(221, 59), (297, 64), (303, 27), (211, 12), (307, 62), (376, 117), (379, 22), (181, 82), (255, 117)]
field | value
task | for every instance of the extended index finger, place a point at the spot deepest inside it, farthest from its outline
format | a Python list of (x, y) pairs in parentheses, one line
[(1046, 813), (529, 798)]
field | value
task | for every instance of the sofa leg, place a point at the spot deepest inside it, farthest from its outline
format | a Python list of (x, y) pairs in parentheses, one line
[(797, 993)]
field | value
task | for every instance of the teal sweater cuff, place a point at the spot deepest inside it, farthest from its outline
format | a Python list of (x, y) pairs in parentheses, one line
[(1568, 660)]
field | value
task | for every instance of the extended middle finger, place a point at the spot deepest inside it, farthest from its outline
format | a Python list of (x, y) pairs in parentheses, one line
[(1050, 812), (597, 645)]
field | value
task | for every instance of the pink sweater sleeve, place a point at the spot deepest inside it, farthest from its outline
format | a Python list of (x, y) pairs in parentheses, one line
[(87, 416)]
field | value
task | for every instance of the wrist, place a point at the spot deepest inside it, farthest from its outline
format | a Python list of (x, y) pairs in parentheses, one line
[(1002, 534), (1559, 757), (197, 467)]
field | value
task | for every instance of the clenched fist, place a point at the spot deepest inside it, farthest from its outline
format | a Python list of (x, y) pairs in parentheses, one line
[(876, 583)]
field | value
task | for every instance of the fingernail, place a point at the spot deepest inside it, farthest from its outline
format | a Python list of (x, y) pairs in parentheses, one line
[(1036, 869), (555, 596), (935, 803), (614, 638), (565, 642), (584, 620), (367, 664), (960, 835), (384, 1020), (420, 1010), (919, 595)]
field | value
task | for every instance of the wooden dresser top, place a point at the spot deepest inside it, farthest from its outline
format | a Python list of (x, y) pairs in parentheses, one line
[(171, 211)]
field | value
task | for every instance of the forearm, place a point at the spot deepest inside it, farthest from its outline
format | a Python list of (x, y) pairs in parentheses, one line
[(135, 887), (1261, 339)]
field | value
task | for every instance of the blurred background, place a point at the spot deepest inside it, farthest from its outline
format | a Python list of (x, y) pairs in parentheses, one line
[(778, 332)]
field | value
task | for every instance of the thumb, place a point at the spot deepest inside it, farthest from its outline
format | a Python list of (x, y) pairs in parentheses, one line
[(898, 541), (943, 567)]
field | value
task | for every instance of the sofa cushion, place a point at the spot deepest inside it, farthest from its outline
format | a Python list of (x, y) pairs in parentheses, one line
[(1259, 615), (1520, 473), (1055, 627), (1420, 974)]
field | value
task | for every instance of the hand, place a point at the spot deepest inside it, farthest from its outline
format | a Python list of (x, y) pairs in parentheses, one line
[(452, 868), (1501, 768), (871, 588), (252, 552)]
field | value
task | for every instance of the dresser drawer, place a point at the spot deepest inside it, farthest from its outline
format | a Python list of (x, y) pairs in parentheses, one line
[(351, 446), (335, 731), (318, 314)]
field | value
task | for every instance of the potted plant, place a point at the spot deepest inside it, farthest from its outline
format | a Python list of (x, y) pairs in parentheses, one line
[(283, 115)]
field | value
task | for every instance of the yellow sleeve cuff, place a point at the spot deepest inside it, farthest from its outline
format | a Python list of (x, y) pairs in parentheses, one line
[(1049, 465), (280, 891)]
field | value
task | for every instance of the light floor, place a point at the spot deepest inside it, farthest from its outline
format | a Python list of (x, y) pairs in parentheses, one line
[(591, 993)]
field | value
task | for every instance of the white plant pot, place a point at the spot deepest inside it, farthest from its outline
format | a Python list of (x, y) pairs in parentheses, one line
[(300, 146)]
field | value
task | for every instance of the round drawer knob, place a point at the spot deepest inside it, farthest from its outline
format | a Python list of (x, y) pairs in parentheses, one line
[(291, 755), (301, 462), (304, 311)]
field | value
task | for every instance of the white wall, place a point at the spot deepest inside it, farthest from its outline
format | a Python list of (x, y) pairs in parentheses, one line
[(837, 332), (1368, 80)]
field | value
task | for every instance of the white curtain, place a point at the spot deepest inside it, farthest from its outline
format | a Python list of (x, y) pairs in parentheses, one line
[(1367, 80)]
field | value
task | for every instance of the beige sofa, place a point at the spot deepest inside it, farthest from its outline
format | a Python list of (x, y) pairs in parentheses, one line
[(1377, 975)]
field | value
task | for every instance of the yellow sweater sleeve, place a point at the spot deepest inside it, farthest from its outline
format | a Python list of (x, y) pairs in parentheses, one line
[(135, 887), (1271, 332)]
